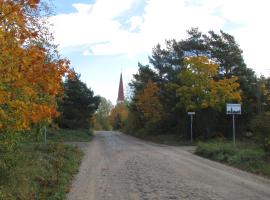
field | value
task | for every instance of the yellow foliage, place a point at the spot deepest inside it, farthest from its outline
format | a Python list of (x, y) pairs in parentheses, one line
[(199, 88), (29, 80), (149, 102), (120, 110)]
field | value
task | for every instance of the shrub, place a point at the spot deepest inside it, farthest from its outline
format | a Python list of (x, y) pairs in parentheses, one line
[(244, 156), (216, 150), (260, 125)]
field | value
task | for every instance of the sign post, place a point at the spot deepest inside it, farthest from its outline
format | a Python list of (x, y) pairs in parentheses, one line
[(45, 135), (191, 122), (233, 109)]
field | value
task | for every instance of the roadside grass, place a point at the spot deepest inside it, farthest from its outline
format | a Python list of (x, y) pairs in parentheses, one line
[(69, 135), (35, 171), (246, 155), (167, 139)]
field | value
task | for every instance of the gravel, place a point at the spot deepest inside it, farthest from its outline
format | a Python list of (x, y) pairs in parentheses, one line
[(120, 167)]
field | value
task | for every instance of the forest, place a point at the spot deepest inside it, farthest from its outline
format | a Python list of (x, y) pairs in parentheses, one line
[(199, 74)]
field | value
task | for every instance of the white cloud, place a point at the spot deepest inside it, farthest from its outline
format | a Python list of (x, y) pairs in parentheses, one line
[(164, 19), (95, 23), (135, 22), (83, 8), (253, 36), (87, 52)]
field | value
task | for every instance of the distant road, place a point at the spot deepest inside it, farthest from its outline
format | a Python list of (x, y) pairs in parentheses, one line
[(120, 167)]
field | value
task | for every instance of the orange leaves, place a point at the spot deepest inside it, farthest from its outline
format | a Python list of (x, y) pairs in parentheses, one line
[(149, 103), (33, 3), (41, 113), (29, 79)]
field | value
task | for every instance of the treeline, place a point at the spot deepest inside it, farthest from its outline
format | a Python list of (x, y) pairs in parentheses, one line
[(201, 73), (108, 116)]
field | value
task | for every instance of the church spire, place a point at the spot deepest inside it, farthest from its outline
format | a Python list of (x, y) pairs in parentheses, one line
[(121, 96)]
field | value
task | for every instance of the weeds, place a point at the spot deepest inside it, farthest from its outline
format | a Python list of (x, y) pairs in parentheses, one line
[(38, 172), (248, 157)]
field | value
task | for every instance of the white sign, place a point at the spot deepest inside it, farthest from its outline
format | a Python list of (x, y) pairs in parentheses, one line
[(191, 113), (233, 109)]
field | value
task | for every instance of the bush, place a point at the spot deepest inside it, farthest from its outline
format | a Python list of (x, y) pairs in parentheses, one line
[(39, 172), (216, 150), (247, 156), (260, 125)]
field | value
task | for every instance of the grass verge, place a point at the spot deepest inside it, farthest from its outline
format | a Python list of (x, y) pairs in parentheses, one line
[(245, 155), (167, 139), (37, 171), (69, 135)]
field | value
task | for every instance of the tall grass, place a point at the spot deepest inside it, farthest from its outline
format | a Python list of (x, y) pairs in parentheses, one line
[(37, 171), (69, 135), (247, 156)]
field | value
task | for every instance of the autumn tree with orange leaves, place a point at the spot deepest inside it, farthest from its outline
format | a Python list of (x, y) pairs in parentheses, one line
[(149, 103), (31, 72)]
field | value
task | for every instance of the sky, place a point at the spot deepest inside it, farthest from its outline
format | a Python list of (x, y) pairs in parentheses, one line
[(103, 38)]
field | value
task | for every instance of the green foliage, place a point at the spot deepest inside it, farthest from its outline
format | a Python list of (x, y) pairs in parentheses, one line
[(245, 156), (100, 120), (230, 81), (38, 171), (69, 135), (9, 141), (78, 105), (260, 125), (117, 122)]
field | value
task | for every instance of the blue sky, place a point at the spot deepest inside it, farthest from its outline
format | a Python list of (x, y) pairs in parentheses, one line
[(104, 37)]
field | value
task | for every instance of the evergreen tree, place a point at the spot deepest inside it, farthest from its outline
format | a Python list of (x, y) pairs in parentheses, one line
[(78, 105)]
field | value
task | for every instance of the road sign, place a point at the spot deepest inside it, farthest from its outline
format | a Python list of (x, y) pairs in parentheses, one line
[(191, 121), (233, 109)]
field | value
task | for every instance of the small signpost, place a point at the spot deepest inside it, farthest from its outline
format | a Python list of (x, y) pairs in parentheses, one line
[(191, 121), (233, 109), (45, 135)]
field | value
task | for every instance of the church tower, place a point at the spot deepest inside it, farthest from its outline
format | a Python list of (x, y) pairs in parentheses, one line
[(121, 97)]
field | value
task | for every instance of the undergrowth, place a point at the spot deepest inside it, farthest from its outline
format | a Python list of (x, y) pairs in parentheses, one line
[(247, 156)]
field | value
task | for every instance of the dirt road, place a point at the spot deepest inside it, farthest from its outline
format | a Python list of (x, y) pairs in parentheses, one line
[(120, 167)]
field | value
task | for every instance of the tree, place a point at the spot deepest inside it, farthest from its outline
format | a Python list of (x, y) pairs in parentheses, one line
[(78, 105), (101, 117), (199, 89), (226, 53), (30, 80), (118, 116), (166, 63), (261, 128), (149, 103)]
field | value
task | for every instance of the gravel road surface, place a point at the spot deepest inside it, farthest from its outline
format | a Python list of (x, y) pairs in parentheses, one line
[(120, 167)]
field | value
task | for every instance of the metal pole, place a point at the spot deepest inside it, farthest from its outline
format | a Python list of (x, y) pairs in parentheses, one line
[(45, 135), (233, 130), (191, 137)]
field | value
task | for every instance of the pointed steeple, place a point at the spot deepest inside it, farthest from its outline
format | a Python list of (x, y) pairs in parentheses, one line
[(121, 96)]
